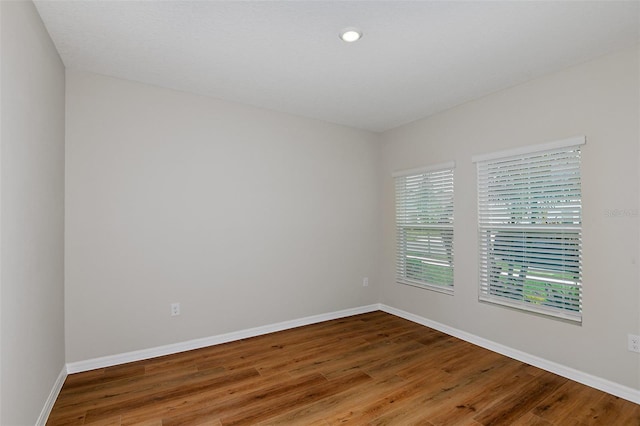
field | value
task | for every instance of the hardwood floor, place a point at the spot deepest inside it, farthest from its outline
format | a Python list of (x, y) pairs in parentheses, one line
[(373, 368)]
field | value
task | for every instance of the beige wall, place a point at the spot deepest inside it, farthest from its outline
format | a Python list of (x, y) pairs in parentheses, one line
[(244, 216), (32, 215), (597, 99)]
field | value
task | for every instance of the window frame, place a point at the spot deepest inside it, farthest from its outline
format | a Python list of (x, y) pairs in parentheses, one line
[(434, 223), (550, 243)]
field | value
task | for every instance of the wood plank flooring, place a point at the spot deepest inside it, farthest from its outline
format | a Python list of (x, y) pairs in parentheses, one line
[(374, 369)]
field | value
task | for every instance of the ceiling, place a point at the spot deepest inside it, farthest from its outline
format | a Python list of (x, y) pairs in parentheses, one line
[(416, 58)]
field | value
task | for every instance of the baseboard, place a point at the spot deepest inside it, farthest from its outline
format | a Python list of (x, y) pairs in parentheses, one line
[(108, 361), (53, 395), (604, 385)]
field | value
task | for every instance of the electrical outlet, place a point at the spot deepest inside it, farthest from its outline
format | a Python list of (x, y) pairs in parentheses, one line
[(175, 309), (365, 282), (633, 343)]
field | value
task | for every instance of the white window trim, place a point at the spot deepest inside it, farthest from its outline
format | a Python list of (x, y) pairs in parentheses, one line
[(516, 153), (418, 283), (427, 169), (531, 149)]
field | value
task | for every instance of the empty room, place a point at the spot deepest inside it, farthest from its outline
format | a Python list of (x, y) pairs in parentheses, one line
[(319, 212)]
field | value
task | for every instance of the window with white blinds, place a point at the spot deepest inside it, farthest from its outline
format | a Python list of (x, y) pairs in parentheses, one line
[(530, 229), (424, 227)]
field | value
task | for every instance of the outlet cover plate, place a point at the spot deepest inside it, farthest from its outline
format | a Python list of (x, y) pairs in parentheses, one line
[(175, 309), (633, 343)]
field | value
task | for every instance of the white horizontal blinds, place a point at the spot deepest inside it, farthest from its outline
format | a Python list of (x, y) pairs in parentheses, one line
[(424, 222), (530, 231)]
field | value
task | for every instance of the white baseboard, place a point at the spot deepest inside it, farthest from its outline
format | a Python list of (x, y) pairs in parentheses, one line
[(53, 395), (604, 385), (108, 361)]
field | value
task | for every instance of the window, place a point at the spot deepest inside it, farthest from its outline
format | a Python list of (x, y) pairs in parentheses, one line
[(424, 227), (530, 228)]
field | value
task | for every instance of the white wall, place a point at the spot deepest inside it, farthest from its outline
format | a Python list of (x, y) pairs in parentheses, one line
[(244, 216), (597, 99), (32, 215)]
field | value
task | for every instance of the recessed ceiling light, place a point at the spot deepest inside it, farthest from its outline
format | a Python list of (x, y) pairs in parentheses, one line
[(350, 35)]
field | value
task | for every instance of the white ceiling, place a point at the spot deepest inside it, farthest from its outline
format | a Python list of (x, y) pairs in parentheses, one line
[(416, 57)]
